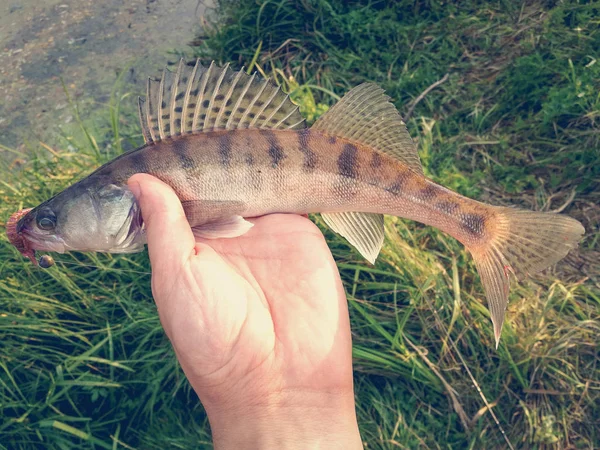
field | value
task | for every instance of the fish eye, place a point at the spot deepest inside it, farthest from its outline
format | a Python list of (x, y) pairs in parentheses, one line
[(46, 219)]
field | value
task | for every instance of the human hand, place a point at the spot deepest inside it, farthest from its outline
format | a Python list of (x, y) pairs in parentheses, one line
[(259, 324)]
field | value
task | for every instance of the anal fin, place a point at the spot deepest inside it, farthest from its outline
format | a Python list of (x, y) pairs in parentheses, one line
[(363, 230)]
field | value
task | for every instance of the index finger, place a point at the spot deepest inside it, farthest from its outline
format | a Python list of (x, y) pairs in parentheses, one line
[(170, 238)]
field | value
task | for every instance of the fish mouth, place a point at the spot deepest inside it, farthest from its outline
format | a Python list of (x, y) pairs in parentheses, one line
[(14, 227), (47, 243)]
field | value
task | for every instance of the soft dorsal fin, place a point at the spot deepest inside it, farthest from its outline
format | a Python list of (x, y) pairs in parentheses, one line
[(365, 115), (195, 98)]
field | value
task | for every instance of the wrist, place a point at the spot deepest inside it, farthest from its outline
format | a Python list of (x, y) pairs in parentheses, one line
[(288, 421)]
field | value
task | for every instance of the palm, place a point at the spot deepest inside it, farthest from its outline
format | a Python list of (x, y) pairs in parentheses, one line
[(268, 309)]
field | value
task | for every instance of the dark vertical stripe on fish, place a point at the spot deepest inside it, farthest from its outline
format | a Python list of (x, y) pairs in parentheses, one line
[(376, 160), (473, 224), (224, 148), (276, 152), (396, 187), (429, 193), (447, 207), (310, 157), (347, 161), (182, 153)]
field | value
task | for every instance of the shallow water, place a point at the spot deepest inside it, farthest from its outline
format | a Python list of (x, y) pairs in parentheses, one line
[(87, 44)]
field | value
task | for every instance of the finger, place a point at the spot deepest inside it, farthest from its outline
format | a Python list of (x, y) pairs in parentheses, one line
[(170, 238)]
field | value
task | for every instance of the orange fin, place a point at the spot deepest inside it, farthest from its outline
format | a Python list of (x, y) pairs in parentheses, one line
[(522, 243)]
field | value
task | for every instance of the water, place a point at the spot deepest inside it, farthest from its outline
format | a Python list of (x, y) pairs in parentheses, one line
[(86, 43)]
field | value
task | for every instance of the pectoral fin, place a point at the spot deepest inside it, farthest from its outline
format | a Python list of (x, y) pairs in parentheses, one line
[(213, 219), (228, 227), (363, 230)]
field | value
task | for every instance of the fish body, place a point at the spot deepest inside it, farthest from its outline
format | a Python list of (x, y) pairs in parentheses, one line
[(251, 173), (233, 147)]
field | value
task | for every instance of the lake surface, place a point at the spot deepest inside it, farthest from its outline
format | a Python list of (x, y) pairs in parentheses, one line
[(87, 44)]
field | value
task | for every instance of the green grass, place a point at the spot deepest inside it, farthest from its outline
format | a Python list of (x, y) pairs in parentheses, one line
[(85, 364)]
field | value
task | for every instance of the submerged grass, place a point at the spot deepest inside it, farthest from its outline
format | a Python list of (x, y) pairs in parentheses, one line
[(85, 364)]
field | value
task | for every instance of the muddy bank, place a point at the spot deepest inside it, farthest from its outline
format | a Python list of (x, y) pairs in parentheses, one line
[(86, 44)]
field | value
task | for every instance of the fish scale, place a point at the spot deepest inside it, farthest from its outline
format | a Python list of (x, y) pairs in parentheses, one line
[(233, 146)]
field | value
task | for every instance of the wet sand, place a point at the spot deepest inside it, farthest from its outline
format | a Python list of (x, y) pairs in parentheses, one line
[(87, 44)]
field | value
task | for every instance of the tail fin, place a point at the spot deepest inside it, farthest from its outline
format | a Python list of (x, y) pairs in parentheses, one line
[(523, 243)]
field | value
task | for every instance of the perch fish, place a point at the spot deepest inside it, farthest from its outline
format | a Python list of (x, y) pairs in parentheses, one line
[(234, 146)]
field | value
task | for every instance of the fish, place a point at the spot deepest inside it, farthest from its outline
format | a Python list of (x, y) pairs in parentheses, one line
[(234, 146)]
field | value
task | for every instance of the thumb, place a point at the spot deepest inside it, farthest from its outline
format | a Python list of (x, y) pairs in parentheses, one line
[(170, 238)]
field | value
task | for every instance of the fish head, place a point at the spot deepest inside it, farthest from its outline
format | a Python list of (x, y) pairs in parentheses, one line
[(85, 217), (38, 230)]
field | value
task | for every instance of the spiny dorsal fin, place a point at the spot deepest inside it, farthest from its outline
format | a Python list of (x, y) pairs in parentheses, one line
[(178, 90), (152, 111), (195, 98), (144, 120), (164, 101), (365, 115), (363, 230)]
